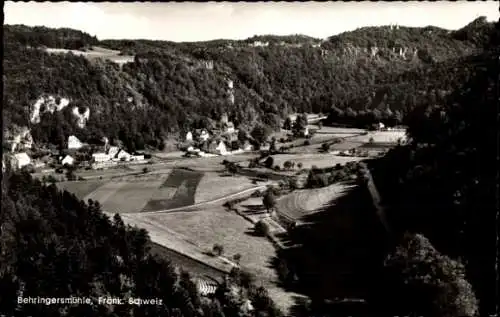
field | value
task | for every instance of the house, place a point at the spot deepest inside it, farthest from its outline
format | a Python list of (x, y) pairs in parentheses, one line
[(204, 136), (122, 155), (189, 136), (229, 127), (67, 160), (74, 143), (305, 132), (381, 126), (21, 160), (137, 158), (113, 151), (221, 148), (100, 157), (212, 147), (247, 146)]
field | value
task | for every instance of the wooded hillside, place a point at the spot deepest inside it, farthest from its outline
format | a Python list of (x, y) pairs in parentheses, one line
[(173, 87)]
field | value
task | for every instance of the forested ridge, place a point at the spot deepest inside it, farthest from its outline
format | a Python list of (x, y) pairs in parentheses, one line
[(443, 184), (53, 245), (173, 87)]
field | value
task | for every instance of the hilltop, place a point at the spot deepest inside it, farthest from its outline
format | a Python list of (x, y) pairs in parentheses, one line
[(162, 88)]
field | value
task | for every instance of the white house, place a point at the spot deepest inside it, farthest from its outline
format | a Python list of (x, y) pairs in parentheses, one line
[(189, 136), (381, 126), (74, 143), (137, 158), (229, 127), (204, 135), (21, 160), (100, 157), (123, 155), (221, 148), (113, 151), (247, 146), (67, 160)]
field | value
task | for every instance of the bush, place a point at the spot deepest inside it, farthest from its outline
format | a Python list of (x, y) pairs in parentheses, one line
[(307, 142), (145, 170), (261, 228), (269, 162), (217, 249), (277, 168), (299, 165)]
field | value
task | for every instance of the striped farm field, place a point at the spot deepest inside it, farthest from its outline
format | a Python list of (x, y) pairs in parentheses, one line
[(214, 185), (303, 202), (81, 188), (184, 183)]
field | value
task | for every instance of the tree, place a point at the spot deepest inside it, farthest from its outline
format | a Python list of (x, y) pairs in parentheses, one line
[(145, 170), (287, 125), (287, 165), (325, 147), (424, 282), (217, 249), (299, 165), (269, 200), (261, 228), (260, 133), (237, 258), (269, 162), (299, 125)]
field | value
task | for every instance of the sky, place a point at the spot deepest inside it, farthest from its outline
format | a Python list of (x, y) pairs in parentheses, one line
[(195, 21)]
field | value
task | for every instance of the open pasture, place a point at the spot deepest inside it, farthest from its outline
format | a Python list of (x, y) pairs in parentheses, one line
[(306, 201), (216, 225), (321, 160), (132, 196), (216, 185), (94, 53), (80, 188), (380, 137)]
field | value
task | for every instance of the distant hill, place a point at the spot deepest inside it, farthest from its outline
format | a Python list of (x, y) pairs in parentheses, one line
[(173, 87)]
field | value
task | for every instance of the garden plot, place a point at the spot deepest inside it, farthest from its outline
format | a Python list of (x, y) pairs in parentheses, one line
[(380, 137)]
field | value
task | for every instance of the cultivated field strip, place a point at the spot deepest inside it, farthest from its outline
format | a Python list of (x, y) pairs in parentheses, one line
[(162, 235), (303, 202), (185, 183), (80, 188), (132, 197), (104, 192), (213, 186)]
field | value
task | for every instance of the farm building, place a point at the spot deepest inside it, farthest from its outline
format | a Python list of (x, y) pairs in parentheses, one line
[(74, 143), (67, 160), (137, 158), (247, 146), (229, 127), (113, 151), (204, 136), (122, 155), (189, 136), (21, 160), (221, 148), (100, 157)]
